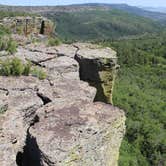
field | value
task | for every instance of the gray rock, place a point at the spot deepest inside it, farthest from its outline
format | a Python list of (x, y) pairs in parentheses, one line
[(66, 50), (55, 122), (79, 133), (61, 64)]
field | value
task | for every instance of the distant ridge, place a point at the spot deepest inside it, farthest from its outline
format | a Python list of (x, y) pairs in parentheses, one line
[(155, 9), (88, 6)]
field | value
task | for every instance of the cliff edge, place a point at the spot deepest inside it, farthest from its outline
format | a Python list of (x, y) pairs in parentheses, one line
[(56, 121)]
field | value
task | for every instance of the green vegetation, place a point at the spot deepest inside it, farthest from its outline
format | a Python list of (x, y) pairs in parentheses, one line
[(6, 43), (37, 72), (100, 25), (53, 42), (15, 67), (4, 31), (3, 109), (140, 90)]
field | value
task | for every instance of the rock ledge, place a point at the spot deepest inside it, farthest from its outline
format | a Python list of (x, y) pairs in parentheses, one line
[(55, 122)]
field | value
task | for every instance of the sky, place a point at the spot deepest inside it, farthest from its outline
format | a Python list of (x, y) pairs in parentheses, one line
[(149, 3)]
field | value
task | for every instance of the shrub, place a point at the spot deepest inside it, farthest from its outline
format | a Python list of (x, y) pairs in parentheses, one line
[(7, 44), (27, 69), (5, 68), (12, 46), (17, 68), (4, 42), (54, 42), (4, 30), (38, 73), (14, 67)]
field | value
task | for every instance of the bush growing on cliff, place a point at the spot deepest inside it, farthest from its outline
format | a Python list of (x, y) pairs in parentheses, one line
[(14, 67), (7, 44), (27, 69), (39, 73), (54, 42), (12, 46), (4, 30)]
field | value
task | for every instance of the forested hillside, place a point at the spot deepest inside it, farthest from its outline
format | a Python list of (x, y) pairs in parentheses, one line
[(140, 89), (100, 24)]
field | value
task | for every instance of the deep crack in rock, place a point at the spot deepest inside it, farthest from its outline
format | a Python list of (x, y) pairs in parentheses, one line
[(32, 155), (44, 98)]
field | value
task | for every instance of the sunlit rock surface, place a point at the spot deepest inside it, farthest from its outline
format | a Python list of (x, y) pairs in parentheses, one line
[(55, 121)]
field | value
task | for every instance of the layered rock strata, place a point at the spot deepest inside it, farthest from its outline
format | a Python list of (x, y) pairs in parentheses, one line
[(55, 122)]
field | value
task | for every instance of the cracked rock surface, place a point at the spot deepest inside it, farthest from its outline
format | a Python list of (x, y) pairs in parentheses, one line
[(55, 122)]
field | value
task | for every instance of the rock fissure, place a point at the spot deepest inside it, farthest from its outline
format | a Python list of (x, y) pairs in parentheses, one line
[(48, 59), (44, 98), (31, 154), (34, 62), (5, 90), (39, 51)]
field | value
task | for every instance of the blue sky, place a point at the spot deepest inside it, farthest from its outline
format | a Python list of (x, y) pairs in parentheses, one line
[(153, 3)]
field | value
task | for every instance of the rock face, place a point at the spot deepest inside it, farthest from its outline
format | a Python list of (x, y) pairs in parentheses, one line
[(29, 25), (55, 122), (98, 67)]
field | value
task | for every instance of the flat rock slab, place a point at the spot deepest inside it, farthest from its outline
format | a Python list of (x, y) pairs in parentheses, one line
[(66, 50), (78, 133), (90, 51), (34, 56), (62, 64), (41, 48)]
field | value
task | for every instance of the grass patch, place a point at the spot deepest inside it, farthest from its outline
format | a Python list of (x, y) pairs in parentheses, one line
[(7, 44), (39, 73), (54, 42), (14, 67)]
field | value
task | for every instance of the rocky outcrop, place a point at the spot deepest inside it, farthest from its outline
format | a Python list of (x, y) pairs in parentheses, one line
[(98, 67), (33, 25), (55, 122)]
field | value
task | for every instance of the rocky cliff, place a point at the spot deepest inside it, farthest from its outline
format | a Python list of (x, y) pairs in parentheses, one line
[(55, 121), (30, 25)]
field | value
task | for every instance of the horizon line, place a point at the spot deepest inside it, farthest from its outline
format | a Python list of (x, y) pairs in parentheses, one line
[(75, 4)]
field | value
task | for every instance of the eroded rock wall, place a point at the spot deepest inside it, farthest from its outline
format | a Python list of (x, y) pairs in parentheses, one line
[(33, 25), (98, 67), (55, 122)]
